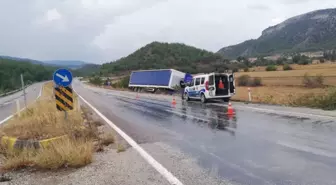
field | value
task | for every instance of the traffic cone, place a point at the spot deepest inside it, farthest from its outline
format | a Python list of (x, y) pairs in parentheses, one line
[(230, 110), (174, 101)]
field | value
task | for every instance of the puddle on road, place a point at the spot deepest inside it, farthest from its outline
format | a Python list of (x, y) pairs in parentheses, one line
[(212, 119)]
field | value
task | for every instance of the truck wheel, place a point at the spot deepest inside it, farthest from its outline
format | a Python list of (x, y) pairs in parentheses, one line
[(203, 98), (226, 100)]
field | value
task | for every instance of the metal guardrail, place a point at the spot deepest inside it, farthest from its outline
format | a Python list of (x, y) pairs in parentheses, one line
[(12, 92)]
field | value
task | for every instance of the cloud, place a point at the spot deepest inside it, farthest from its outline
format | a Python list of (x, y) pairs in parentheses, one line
[(52, 15), (258, 7), (105, 30), (277, 20)]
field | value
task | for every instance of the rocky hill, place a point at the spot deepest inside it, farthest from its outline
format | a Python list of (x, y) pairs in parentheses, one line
[(313, 31)]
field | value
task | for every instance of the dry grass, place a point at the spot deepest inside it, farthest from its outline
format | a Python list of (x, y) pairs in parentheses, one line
[(121, 148), (107, 138), (275, 95), (67, 153), (298, 67), (294, 77), (42, 120)]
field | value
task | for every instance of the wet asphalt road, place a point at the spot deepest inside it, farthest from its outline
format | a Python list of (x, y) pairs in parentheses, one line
[(249, 148), (8, 103)]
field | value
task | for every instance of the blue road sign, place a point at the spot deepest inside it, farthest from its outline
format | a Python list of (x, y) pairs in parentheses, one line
[(62, 77)]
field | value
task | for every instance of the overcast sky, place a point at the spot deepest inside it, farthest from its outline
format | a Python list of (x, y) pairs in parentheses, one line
[(104, 30)]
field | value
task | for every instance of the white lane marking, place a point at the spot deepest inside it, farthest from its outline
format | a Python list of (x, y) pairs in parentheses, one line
[(161, 169), (6, 103), (11, 116), (307, 149), (279, 112), (6, 119)]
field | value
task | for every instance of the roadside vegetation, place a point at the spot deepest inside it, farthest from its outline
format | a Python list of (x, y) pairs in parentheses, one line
[(310, 85), (73, 143), (11, 69), (246, 80)]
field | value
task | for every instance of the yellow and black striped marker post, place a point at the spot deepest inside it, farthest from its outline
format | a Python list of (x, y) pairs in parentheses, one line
[(64, 98)]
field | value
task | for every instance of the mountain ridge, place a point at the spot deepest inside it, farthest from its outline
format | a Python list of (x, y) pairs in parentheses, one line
[(312, 31), (72, 64)]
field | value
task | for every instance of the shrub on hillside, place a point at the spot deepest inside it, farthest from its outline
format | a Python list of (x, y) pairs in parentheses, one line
[(271, 68), (243, 80), (305, 61), (235, 70), (123, 83), (96, 80), (326, 102), (256, 82), (246, 69), (246, 80), (313, 81), (287, 67)]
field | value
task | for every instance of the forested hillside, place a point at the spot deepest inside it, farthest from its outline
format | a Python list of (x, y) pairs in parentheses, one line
[(313, 31), (10, 71), (158, 55), (86, 70)]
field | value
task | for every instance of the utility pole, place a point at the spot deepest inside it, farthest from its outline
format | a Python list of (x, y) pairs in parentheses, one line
[(24, 91)]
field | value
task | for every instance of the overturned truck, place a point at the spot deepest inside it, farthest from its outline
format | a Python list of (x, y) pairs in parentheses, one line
[(164, 80)]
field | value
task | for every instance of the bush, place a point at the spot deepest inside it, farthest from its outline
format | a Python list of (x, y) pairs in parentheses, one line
[(287, 67), (235, 70), (123, 83), (322, 60), (246, 80), (326, 102), (246, 69), (304, 62), (256, 82), (96, 80), (313, 81), (243, 80), (271, 68)]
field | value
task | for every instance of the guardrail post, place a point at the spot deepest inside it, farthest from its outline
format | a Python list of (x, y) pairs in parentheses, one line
[(18, 107), (24, 91), (249, 94)]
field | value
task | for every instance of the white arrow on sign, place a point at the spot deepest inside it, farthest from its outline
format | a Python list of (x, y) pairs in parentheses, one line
[(64, 78)]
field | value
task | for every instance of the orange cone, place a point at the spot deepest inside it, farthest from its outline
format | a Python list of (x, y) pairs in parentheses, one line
[(230, 110), (174, 101)]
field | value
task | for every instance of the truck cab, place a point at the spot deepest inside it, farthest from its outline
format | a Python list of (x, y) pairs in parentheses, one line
[(210, 86)]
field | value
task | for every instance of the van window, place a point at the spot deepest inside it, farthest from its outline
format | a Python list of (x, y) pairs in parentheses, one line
[(192, 82), (202, 80), (211, 80), (198, 81)]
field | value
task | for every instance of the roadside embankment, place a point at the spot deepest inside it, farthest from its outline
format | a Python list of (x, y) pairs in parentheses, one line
[(40, 146), (41, 137)]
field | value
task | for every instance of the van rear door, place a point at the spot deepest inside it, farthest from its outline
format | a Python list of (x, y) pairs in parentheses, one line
[(211, 85), (232, 84)]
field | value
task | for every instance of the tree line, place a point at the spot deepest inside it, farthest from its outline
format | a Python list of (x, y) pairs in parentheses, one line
[(10, 71)]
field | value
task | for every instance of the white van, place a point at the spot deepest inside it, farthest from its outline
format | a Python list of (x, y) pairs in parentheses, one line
[(210, 86)]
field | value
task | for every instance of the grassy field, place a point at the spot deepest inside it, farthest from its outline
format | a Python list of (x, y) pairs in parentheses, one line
[(294, 77), (42, 120), (286, 87)]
